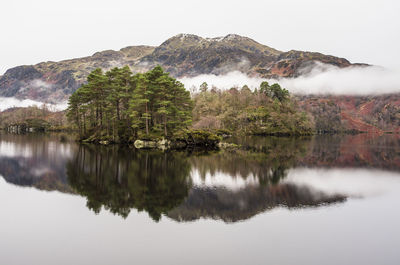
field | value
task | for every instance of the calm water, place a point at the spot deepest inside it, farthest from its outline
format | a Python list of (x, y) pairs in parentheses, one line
[(320, 200)]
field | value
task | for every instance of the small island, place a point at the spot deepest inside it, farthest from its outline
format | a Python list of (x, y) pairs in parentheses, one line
[(154, 110)]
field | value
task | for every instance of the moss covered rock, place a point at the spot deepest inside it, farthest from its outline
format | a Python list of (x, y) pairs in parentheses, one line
[(143, 144), (197, 138)]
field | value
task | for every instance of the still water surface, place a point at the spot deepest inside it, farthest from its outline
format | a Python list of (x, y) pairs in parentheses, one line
[(320, 200)]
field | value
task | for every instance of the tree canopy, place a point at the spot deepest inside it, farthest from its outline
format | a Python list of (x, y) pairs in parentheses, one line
[(118, 106), (268, 110)]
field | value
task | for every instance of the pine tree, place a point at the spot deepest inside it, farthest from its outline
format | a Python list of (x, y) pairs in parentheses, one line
[(118, 106)]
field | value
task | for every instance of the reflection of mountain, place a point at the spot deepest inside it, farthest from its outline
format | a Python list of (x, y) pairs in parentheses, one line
[(35, 161), (329, 151), (18, 172), (232, 206), (228, 185), (354, 151), (161, 183)]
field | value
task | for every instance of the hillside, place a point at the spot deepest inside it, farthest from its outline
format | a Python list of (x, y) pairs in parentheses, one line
[(374, 114), (34, 117), (55, 81), (182, 55)]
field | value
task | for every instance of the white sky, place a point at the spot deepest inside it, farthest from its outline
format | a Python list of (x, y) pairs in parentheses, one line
[(42, 30)]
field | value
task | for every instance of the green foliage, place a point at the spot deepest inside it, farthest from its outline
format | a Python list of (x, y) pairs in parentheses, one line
[(204, 87), (275, 91), (118, 106), (268, 110), (197, 138)]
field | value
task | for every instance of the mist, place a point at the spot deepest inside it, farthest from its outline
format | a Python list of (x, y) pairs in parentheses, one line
[(11, 102), (321, 79), (227, 81), (318, 79)]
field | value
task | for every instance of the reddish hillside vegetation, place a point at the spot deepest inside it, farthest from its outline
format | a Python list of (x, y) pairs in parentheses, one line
[(375, 114)]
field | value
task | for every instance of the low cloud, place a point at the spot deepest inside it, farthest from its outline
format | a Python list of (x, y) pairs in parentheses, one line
[(320, 79), (232, 79), (10, 102), (38, 83), (326, 79)]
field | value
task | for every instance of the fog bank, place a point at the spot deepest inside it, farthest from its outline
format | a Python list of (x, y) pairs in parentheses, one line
[(318, 79), (321, 79), (11, 102)]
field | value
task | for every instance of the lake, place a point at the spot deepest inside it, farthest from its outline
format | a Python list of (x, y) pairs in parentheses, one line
[(312, 200)]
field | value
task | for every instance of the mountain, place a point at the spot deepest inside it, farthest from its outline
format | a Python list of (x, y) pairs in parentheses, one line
[(55, 81), (184, 55)]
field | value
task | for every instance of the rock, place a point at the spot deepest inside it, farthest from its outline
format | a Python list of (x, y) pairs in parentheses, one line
[(141, 144), (223, 133), (163, 144), (178, 144), (228, 146), (186, 138)]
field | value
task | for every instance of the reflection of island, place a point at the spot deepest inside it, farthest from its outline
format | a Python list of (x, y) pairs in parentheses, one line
[(227, 185), (166, 183), (238, 185), (120, 180)]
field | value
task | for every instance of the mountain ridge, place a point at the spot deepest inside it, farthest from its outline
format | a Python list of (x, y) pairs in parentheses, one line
[(183, 55)]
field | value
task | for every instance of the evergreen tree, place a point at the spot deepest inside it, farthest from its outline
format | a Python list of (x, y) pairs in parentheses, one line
[(118, 106)]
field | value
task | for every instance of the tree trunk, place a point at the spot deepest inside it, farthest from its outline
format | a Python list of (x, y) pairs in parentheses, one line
[(147, 121), (165, 125), (118, 116)]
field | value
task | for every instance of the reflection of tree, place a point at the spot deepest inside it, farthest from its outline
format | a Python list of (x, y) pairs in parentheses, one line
[(265, 158), (122, 179), (159, 183), (353, 151)]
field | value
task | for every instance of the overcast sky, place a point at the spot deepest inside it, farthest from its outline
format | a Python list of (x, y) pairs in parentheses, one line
[(360, 30)]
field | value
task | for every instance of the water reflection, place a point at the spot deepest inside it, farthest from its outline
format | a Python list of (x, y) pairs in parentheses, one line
[(35, 160), (237, 205), (120, 179), (332, 151), (266, 173)]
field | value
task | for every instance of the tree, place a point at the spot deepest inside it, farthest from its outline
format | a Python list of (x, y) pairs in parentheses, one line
[(118, 106), (275, 91), (139, 104), (269, 111), (203, 87)]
